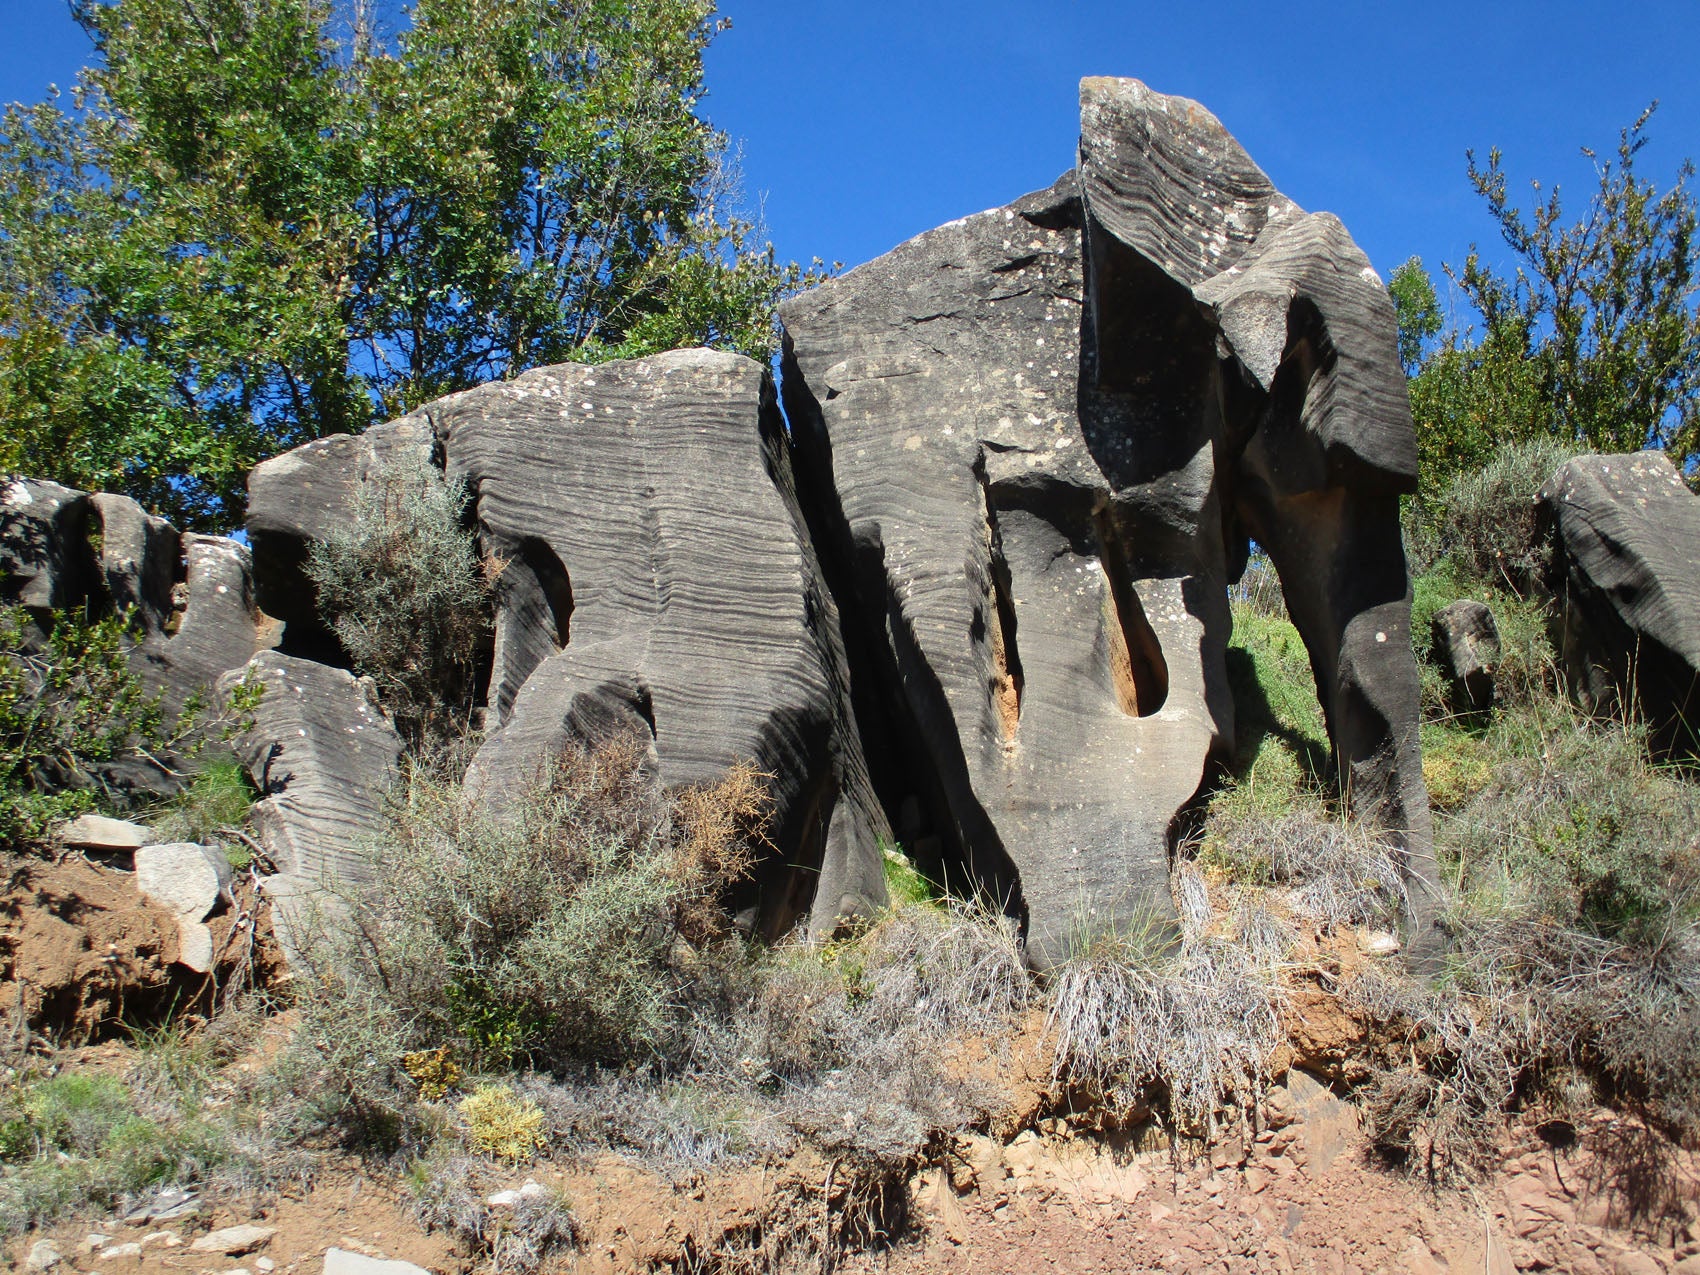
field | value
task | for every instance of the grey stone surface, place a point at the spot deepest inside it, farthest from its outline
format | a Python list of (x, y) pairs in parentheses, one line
[(1466, 648), (661, 579), (182, 877), (232, 1240), (139, 558), (214, 627), (98, 832), (323, 756), (1033, 445), (45, 557), (1626, 572)]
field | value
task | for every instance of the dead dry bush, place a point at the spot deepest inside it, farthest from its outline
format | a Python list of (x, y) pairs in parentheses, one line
[(1138, 1021), (1331, 870), (1533, 1014)]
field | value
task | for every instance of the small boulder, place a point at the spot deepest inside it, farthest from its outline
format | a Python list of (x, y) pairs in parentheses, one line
[(43, 1256), (339, 1261), (1466, 647), (97, 832), (232, 1240), (185, 878)]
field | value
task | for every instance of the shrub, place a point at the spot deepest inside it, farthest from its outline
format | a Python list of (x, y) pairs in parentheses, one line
[(69, 706), (403, 589), (1579, 826), (1130, 1009), (501, 1123), (218, 797), (1484, 520), (550, 933)]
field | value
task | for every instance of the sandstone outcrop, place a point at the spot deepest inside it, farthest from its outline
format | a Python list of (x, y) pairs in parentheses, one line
[(323, 756), (1624, 535), (970, 587), (1033, 446)]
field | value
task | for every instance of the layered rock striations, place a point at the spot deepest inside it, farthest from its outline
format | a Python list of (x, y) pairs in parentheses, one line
[(652, 575), (1034, 445), (970, 589), (1624, 532)]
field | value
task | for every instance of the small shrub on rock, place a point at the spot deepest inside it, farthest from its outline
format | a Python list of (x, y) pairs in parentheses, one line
[(405, 593)]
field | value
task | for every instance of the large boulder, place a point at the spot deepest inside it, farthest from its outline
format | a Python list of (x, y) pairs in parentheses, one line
[(297, 498), (1033, 445), (45, 558), (1626, 574), (324, 758), (658, 578)]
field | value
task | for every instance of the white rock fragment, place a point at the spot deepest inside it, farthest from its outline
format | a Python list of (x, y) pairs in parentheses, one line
[(97, 832), (234, 1239), (43, 1256), (339, 1261)]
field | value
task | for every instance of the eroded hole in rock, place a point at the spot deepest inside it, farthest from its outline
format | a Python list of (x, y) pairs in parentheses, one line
[(1138, 670), (1006, 680)]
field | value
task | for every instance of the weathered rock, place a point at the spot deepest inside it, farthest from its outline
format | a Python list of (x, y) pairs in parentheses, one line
[(1033, 445), (339, 1261), (1625, 531), (323, 756), (98, 832), (1466, 647), (215, 626), (302, 495), (646, 507), (139, 558), (185, 878), (45, 557), (232, 1240), (43, 1256)]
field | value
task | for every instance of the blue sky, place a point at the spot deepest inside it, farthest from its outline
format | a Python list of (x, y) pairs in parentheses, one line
[(863, 124)]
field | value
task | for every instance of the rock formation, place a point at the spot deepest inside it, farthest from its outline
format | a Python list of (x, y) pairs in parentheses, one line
[(972, 585), (1624, 533), (654, 575), (1033, 445)]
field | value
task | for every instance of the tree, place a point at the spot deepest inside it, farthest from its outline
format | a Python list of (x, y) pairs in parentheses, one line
[(256, 223), (1594, 340), (1416, 309)]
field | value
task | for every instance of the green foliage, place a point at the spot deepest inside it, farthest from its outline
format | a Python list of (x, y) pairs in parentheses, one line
[(260, 223), (404, 591), (74, 1142), (1417, 310), (1593, 342), (219, 795), (1578, 826), (67, 705), (904, 884), (1281, 741), (71, 706), (546, 932)]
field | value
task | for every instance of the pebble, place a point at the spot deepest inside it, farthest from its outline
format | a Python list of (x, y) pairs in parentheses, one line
[(507, 1199), (264, 1264)]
